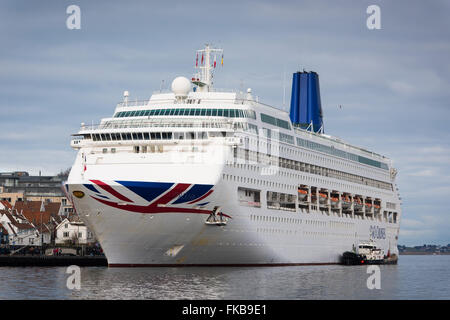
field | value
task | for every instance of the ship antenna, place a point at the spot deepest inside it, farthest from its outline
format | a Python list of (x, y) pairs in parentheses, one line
[(203, 78)]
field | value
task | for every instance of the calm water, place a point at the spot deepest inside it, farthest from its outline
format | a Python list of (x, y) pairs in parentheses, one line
[(415, 277)]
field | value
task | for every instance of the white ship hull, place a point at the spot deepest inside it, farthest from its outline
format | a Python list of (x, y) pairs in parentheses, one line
[(252, 236)]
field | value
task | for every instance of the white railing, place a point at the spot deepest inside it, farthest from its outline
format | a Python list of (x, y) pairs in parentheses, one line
[(159, 123)]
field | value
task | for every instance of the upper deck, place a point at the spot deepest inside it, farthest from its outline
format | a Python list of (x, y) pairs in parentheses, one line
[(205, 109)]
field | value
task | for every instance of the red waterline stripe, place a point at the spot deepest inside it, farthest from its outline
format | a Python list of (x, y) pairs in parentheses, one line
[(108, 188)]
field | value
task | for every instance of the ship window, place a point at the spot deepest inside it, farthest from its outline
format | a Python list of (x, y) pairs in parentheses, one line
[(202, 135), (178, 135), (197, 112), (155, 135), (113, 137), (135, 137), (157, 112), (220, 112), (190, 135), (232, 113), (208, 112), (172, 111), (113, 150), (103, 136), (167, 135), (191, 112), (139, 135), (203, 112), (147, 112), (127, 114), (146, 136), (214, 112)]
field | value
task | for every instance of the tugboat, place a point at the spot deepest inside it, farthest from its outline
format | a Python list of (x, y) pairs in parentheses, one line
[(365, 253)]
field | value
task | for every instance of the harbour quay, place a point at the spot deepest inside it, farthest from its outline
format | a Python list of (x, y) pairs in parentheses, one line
[(52, 261)]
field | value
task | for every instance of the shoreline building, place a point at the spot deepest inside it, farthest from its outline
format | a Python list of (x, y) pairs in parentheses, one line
[(20, 186)]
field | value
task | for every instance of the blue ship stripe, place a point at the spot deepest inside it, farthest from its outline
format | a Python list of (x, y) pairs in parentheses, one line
[(102, 196), (195, 192), (147, 190), (91, 187)]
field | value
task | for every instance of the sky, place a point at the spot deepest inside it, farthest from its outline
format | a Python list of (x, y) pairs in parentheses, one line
[(392, 83)]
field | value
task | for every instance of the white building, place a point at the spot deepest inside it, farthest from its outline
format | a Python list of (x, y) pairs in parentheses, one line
[(74, 232), (21, 231)]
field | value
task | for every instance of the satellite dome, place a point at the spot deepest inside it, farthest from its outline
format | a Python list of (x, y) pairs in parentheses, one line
[(181, 86)]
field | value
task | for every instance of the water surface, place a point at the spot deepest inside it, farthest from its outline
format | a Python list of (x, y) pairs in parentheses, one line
[(415, 277)]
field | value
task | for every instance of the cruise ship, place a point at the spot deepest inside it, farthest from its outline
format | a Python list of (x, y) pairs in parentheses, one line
[(199, 176)]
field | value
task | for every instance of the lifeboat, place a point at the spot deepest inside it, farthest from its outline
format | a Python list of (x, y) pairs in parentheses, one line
[(358, 203), (334, 202), (302, 195), (322, 197), (346, 202)]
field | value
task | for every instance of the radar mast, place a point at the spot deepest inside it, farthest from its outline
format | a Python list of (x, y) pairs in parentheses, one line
[(203, 78)]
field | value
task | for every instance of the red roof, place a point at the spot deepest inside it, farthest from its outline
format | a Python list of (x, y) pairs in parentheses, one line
[(14, 222), (31, 210), (6, 204)]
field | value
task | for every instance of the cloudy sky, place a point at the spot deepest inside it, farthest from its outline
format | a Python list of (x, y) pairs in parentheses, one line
[(392, 83)]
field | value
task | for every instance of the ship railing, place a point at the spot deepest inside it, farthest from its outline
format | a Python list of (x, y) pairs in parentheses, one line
[(239, 99), (344, 144), (159, 124)]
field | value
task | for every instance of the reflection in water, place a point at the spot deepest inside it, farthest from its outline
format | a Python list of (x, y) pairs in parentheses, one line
[(416, 277)]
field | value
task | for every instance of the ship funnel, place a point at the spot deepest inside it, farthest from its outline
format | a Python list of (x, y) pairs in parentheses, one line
[(306, 108)]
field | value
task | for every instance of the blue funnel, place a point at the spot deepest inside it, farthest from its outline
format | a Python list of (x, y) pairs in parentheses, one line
[(306, 108)]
